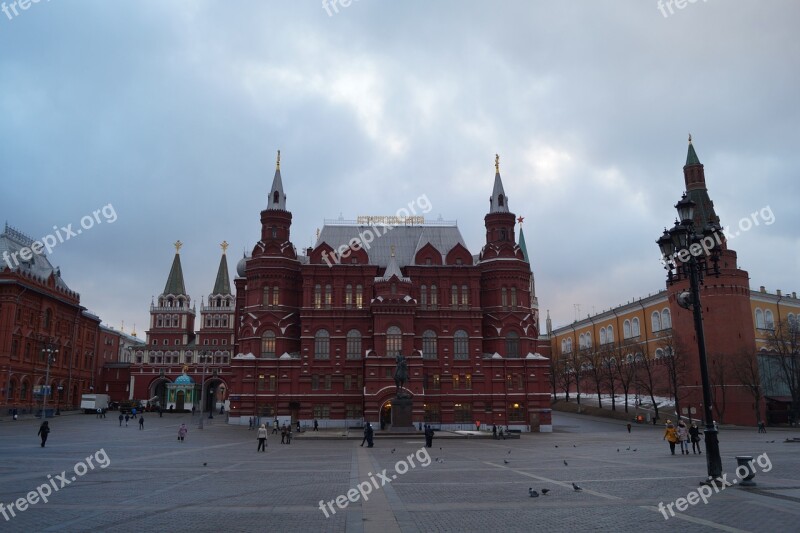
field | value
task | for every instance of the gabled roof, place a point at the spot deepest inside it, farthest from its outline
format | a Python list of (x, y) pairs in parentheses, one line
[(222, 285)]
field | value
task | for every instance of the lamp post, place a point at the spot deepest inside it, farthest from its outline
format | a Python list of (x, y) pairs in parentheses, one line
[(50, 352), (697, 255), (211, 401), (204, 356)]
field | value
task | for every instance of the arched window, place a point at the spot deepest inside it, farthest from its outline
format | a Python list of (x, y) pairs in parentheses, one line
[(460, 345), (394, 341), (659, 353), (317, 296), (359, 296), (504, 298), (265, 296), (792, 322), (603, 338), (429, 344), (423, 296), (322, 344), (328, 296), (563, 345), (434, 296), (769, 320), (512, 345), (348, 296), (626, 329), (454, 295), (354, 344), (569, 345), (513, 298), (655, 318), (501, 201), (610, 333), (666, 319), (275, 295), (464, 295), (635, 327), (582, 341), (276, 198), (759, 319)]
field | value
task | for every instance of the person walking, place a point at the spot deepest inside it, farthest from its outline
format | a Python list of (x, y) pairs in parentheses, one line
[(262, 438), (44, 431), (683, 437), (316, 425), (275, 425), (370, 436), (671, 436), (121, 418), (141, 422), (182, 431), (494, 431), (250, 420), (289, 434), (283, 434), (762, 427), (366, 429), (629, 427), (694, 436), (133, 412), (126, 420)]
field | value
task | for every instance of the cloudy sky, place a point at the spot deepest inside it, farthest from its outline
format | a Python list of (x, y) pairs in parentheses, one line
[(172, 112)]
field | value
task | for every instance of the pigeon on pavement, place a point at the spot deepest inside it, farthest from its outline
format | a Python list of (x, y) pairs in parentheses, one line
[(565, 462), (505, 461), (392, 450), (576, 487), (532, 493), (545, 491)]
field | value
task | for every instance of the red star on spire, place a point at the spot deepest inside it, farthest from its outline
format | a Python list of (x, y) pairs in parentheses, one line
[(520, 219)]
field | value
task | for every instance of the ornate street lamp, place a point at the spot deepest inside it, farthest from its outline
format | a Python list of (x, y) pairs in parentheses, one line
[(50, 352), (698, 255)]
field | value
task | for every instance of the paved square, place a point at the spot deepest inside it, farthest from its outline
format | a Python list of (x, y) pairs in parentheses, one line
[(216, 480)]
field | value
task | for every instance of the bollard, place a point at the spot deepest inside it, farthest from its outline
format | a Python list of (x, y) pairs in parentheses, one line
[(745, 462)]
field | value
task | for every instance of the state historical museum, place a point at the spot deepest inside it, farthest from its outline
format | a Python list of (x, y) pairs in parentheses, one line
[(317, 335)]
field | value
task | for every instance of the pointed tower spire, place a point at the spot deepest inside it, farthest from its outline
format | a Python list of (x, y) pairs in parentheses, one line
[(691, 156), (277, 199), (175, 283), (498, 203), (522, 244), (222, 285)]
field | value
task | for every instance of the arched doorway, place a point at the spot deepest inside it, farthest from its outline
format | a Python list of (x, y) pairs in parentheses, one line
[(179, 401), (158, 392), (386, 414)]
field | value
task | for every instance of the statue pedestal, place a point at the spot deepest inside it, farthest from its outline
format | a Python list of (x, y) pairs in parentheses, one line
[(401, 413)]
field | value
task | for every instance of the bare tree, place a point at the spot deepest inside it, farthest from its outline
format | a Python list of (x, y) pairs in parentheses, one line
[(607, 359), (575, 362), (674, 361), (783, 340), (646, 369), (626, 370), (744, 369), (720, 378), (564, 374), (591, 367)]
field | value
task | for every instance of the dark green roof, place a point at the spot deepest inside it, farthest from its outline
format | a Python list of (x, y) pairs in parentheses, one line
[(522, 245), (175, 281), (223, 284), (691, 157)]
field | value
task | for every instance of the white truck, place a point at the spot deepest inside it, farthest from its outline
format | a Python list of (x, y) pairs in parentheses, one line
[(90, 403)]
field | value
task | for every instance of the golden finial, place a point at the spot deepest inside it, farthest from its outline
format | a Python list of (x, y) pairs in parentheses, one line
[(278, 162), (690, 138), (178, 244), (224, 245), (497, 163), (392, 247), (134, 330), (185, 368)]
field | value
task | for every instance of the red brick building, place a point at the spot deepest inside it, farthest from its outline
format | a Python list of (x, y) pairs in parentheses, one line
[(41, 318), (317, 334)]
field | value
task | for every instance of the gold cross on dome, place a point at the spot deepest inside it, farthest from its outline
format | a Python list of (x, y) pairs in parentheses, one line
[(224, 245), (178, 244), (497, 163)]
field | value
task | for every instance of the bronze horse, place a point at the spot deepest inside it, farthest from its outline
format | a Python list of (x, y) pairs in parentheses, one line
[(400, 374)]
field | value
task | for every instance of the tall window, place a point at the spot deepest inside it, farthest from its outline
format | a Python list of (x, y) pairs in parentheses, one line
[(464, 295), (460, 345), (394, 341), (454, 295), (318, 296), (434, 297), (504, 298), (348, 296), (429, 344), (437, 383), (328, 296), (768, 318), (512, 345), (275, 295), (603, 338), (655, 319), (513, 298), (635, 327), (322, 344), (359, 296), (626, 329), (423, 296), (353, 344), (265, 296), (610, 334), (268, 344), (666, 319), (456, 382), (760, 319)]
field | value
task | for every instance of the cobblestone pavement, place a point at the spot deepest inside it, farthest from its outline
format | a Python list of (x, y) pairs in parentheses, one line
[(216, 480)]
